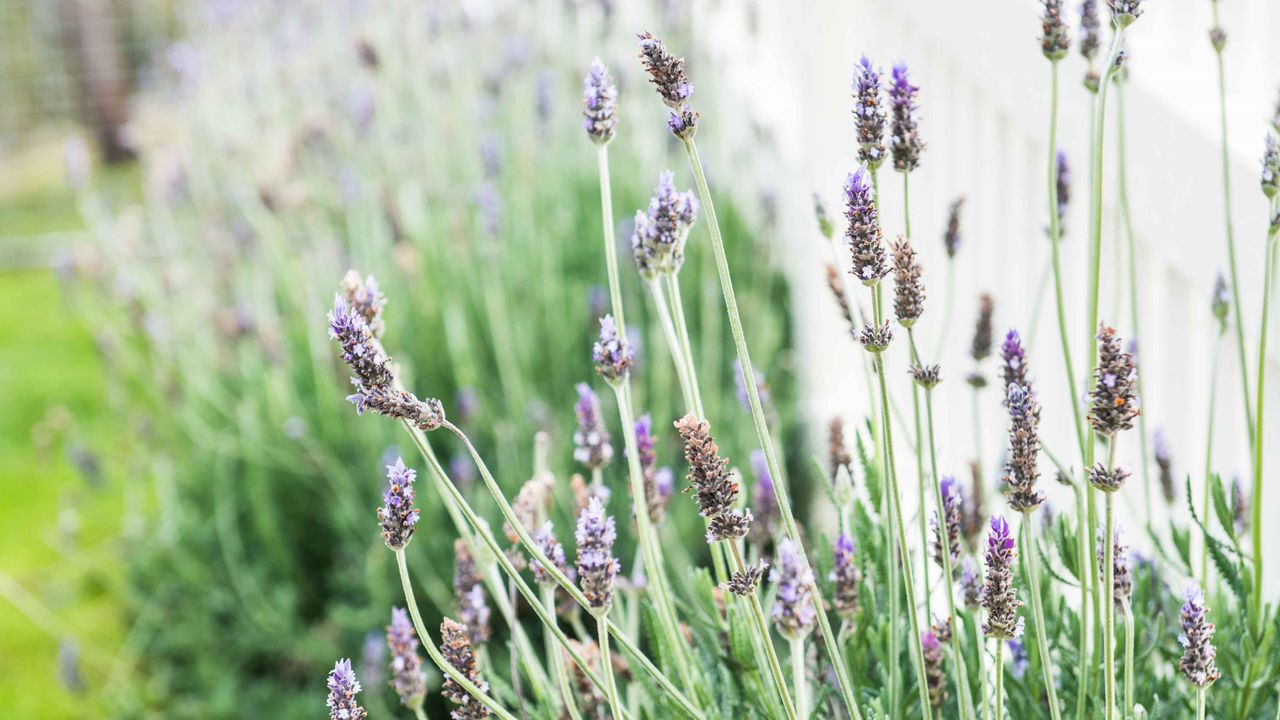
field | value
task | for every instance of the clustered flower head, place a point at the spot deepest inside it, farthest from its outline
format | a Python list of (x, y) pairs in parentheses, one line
[(869, 114), (1018, 660), (935, 677), (926, 376), (597, 567), (951, 238), (1021, 470), (745, 581), (398, 516), (611, 355), (666, 72), (363, 297), (908, 288), (456, 649), (793, 609), (837, 453), (372, 376), (1271, 167), (844, 577), (970, 583), (407, 676), (591, 439), (1217, 38), (1124, 12), (343, 687), (764, 501), (1013, 358), (952, 502), (1121, 568), (1063, 183), (1198, 653), (904, 139), (864, 234), (982, 329), (1090, 30), (599, 103), (876, 339), (658, 241), (1164, 461), (1054, 41), (999, 598), (468, 590), (1113, 402), (1107, 480), (658, 482), (545, 538), (714, 488), (1221, 303)]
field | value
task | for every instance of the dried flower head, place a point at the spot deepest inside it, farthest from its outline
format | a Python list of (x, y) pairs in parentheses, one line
[(952, 507), (935, 677), (714, 488), (904, 137), (836, 286), (599, 103), (764, 501), (876, 339), (865, 240), (982, 329), (951, 238), (468, 590), (908, 288), (611, 355), (666, 72), (1217, 38), (658, 484), (1271, 167), (545, 538), (363, 297), (926, 376), (823, 217), (868, 113), (1221, 304), (1121, 569), (1198, 653), (398, 516), (1090, 30), (455, 646), (662, 230), (1063, 183), (837, 453), (745, 581), (1054, 40), (793, 609), (407, 676), (845, 577), (1107, 480), (1124, 12), (970, 583), (343, 687), (1021, 470), (1164, 461), (1014, 361), (372, 376), (591, 439), (999, 597), (597, 567), (1113, 403)]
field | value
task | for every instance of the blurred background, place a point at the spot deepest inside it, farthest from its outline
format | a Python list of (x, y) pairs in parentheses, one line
[(186, 502)]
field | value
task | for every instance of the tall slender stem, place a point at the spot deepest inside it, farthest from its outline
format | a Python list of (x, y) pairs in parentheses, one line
[(674, 344), (762, 631), (1108, 589), (1084, 572), (762, 428), (921, 479), (798, 676), (982, 672), (999, 704), (1200, 703), (961, 673), (682, 333), (606, 665), (430, 645), (610, 244), (1030, 555), (1231, 236), (1256, 523), (1128, 658), (548, 596), (1208, 454)]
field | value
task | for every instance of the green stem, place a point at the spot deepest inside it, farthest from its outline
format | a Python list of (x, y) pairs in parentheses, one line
[(982, 673), (682, 333), (1108, 589), (1200, 704), (673, 342), (548, 596), (999, 704), (762, 428), (434, 652), (1030, 555), (535, 552), (798, 676), (762, 633), (1256, 521), (610, 244), (606, 665), (920, 475), (1128, 659), (419, 714), (1084, 572), (1208, 454)]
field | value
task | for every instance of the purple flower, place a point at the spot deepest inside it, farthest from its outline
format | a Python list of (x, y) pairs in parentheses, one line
[(1121, 569), (610, 353), (952, 504), (1064, 188), (468, 590), (908, 288), (844, 576), (666, 72), (999, 597), (1197, 640), (591, 440), (372, 656), (935, 678), (793, 610), (764, 501), (1113, 403), (904, 137), (658, 241), (597, 567), (599, 103), (1018, 660), (1054, 41), (865, 240), (457, 652), (1021, 470), (1221, 304), (868, 113), (970, 583), (343, 688), (364, 298), (1014, 358), (1124, 12), (744, 395), (407, 676), (398, 516), (1271, 167), (658, 482)]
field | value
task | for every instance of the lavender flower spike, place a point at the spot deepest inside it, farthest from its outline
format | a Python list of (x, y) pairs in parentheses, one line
[(908, 288), (591, 440), (865, 239), (1063, 182), (793, 609), (904, 138), (951, 239), (1014, 358), (1197, 640), (1090, 30), (666, 72), (599, 104), (844, 576), (714, 488), (1221, 303), (1124, 12), (935, 678), (661, 231), (1022, 471), (456, 649), (999, 597), (398, 516), (612, 356), (1121, 568), (1113, 404), (764, 501), (364, 297), (868, 113), (952, 502), (1271, 167), (468, 590), (407, 676), (343, 688), (597, 567), (970, 583), (658, 482), (545, 538), (1054, 42)]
